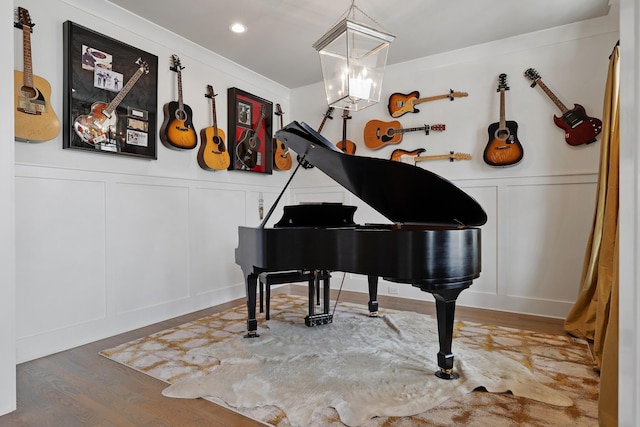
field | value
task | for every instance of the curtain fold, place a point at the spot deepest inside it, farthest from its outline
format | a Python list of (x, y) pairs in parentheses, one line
[(594, 316)]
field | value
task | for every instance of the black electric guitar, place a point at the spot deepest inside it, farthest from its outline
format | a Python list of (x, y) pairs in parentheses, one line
[(35, 120), (326, 116), (213, 154), (345, 144), (503, 148), (177, 130), (281, 156), (99, 126), (249, 144), (578, 127)]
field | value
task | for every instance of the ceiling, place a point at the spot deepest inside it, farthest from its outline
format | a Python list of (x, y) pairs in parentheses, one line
[(278, 43)]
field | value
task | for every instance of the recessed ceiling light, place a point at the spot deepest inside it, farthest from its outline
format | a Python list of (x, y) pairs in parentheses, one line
[(238, 28)]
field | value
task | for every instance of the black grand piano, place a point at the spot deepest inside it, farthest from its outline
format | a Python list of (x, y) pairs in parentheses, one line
[(432, 241)]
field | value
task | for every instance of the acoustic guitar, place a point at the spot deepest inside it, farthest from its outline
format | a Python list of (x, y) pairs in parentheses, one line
[(346, 145), (99, 126), (35, 119), (401, 104), (413, 157), (503, 148), (326, 116), (281, 157), (213, 154), (249, 144), (377, 133), (177, 130), (579, 128)]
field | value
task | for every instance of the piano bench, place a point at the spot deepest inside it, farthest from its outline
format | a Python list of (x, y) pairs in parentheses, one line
[(311, 277)]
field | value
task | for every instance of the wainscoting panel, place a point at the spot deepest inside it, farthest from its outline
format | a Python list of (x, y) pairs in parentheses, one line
[(147, 246), (547, 233), (214, 231), (60, 253)]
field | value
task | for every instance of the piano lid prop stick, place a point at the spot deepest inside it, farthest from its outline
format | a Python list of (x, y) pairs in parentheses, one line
[(266, 218)]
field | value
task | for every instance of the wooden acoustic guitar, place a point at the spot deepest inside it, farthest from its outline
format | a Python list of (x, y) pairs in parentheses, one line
[(579, 128), (401, 104), (503, 148), (213, 154), (249, 144), (177, 130), (345, 144), (99, 126), (326, 116), (377, 133), (413, 157), (281, 157), (35, 119)]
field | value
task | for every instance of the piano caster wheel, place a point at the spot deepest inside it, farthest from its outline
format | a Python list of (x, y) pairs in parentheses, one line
[(251, 334), (446, 374), (373, 314)]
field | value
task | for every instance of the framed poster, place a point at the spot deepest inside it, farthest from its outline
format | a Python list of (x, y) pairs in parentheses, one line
[(249, 132), (110, 95)]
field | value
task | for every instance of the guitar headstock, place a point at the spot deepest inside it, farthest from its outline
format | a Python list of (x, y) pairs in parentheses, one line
[(175, 63), (460, 156), (143, 65), (532, 75), (210, 93), (329, 112), (453, 95), (502, 82), (345, 115), (278, 111), (22, 18), (436, 128)]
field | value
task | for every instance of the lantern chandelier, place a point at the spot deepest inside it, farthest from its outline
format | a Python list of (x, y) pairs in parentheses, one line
[(353, 56)]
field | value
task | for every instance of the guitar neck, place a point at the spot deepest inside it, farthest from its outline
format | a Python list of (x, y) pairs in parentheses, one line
[(450, 156), (431, 98), (125, 90), (26, 47), (503, 123), (551, 95), (180, 103), (405, 130), (215, 119)]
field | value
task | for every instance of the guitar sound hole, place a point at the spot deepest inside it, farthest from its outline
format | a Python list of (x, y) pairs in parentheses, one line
[(502, 134), (28, 92), (181, 115)]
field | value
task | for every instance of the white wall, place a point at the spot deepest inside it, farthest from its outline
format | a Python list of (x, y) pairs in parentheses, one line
[(109, 243), (540, 211), (7, 283)]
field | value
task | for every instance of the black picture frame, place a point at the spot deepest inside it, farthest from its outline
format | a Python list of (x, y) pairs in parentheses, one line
[(110, 95), (244, 115)]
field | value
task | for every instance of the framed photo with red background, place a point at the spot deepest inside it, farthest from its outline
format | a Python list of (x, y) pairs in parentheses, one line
[(249, 132)]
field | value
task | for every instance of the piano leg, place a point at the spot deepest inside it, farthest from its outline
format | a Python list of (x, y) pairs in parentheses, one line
[(373, 295), (252, 322), (445, 312)]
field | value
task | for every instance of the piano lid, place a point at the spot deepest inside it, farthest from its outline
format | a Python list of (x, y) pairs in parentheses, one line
[(403, 193)]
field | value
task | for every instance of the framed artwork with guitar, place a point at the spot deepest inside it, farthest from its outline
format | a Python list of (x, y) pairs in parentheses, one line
[(249, 132), (110, 95)]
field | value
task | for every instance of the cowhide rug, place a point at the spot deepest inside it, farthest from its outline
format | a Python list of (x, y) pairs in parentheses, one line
[(363, 367)]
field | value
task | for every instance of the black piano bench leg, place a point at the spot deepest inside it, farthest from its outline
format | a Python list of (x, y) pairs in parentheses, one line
[(373, 295), (252, 322), (445, 312)]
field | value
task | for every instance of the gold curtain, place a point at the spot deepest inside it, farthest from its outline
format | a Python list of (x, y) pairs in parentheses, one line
[(594, 316)]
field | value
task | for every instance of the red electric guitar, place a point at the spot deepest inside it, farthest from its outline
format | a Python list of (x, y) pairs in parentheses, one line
[(579, 128)]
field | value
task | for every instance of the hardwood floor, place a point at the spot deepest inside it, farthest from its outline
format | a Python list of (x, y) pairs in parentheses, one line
[(78, 387)]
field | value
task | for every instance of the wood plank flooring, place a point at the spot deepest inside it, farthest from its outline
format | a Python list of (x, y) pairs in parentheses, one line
[(78, 387)]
